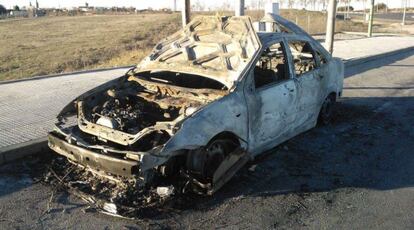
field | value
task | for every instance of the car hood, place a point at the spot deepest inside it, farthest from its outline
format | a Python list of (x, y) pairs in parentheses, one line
[(219, 48)]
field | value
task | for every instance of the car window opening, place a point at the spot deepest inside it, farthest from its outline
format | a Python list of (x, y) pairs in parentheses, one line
[(271, 67), (303, 58)]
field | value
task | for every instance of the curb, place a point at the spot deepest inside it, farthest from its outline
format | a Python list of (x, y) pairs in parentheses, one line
[(357, 61), (65, 74), (17, 151)]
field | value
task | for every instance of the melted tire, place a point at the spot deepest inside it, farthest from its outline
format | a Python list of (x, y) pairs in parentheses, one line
[(327, 111)]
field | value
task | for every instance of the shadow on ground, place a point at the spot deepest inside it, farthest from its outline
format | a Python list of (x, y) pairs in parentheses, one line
[(366, 147)]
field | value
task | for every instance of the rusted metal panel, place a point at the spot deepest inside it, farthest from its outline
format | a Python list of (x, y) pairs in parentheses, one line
[(96, 161), (216, 47)]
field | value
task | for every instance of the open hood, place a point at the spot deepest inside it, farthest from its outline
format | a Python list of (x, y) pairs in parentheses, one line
[(219, 48)]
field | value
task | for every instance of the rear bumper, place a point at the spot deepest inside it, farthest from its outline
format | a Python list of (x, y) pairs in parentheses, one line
[(97, 161)]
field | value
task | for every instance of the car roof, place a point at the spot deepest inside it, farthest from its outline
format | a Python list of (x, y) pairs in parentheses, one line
[(287, 29)]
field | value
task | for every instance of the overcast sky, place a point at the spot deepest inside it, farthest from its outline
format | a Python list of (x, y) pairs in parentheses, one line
[(142, 4)]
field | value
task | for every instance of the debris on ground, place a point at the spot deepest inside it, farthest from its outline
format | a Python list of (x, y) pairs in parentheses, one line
[(115, 196), (165, 191), (252, 168)]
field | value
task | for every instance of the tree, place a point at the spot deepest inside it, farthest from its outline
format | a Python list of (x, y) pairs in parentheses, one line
[(2, 9), (226, 6), (324, 4), (290, 3), (304, 3), (282, 3), (16, 8), (312, 3), (381, 6), (199, 6)]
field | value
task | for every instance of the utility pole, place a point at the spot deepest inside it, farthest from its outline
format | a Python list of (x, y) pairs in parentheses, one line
[(330, 25), (185, 11), (371, 18), (347, 9), (404, 13), (386, 8), (239, 11)]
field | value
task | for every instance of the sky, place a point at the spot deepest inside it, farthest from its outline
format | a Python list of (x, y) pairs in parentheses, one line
[(143, 4)]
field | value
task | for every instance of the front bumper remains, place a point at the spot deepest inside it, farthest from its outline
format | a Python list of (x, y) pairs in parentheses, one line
[(96, 161)]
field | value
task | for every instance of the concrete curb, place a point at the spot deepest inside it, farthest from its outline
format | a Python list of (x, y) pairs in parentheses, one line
[(357, 61), (17, 151), (64, 74)]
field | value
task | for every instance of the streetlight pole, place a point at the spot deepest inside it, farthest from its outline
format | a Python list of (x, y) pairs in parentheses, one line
[(330, 26), (371, 18)]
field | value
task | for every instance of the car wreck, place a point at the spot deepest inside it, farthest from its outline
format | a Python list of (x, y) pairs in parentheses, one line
[(208, 99)]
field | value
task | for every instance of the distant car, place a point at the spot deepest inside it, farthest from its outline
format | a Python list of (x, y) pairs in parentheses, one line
[(208, 99)]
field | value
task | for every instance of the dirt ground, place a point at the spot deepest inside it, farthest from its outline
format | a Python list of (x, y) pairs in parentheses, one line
[(357, 173)]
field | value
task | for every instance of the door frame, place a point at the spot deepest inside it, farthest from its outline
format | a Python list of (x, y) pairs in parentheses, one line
[(250, 90)]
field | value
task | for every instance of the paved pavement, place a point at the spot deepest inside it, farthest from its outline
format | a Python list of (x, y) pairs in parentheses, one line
[(360, 48), (28, 108)]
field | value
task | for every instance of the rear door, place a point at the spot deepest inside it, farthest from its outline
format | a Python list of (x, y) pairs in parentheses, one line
[(309, 80), (271, 99)]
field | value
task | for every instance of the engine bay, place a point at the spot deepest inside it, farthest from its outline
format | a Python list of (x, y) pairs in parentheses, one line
[(138, 112), (131, 113)]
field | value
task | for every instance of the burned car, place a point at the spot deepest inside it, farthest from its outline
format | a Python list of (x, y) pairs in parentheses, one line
[(208, 99)]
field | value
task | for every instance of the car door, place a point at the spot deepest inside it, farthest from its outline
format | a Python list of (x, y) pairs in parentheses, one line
[(271, 97), (309, 78)]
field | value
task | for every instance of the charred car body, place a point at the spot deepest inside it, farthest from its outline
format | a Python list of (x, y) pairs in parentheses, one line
[(205, 101)]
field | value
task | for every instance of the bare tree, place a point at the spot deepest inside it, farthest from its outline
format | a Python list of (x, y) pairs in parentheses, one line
[(290, 3), (313, 4), (260, 4), (225, 6), (199, 6), (282, 2), (324, 4), (304, 3)]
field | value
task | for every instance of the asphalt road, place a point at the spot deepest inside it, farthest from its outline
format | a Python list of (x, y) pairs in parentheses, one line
[(389, 16), (396, 16), (357, 173)]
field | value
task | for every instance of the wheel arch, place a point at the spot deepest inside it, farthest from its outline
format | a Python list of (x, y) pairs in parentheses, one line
[(333, 94), (227, 135)]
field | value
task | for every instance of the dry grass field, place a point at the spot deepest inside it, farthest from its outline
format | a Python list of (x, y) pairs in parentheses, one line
[(31, 47), (47, 45)]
